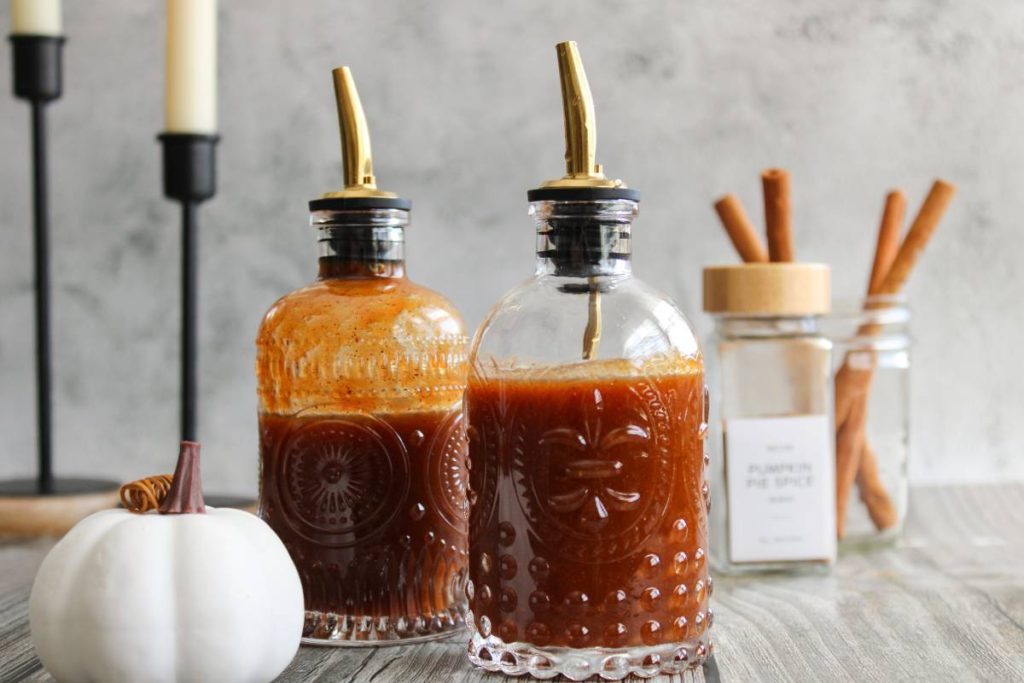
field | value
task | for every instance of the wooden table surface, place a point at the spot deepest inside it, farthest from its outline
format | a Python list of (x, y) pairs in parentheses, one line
[(948, 604)]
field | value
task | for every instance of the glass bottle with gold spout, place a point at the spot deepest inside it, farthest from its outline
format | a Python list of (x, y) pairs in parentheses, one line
[(362, 440), (587, 412)]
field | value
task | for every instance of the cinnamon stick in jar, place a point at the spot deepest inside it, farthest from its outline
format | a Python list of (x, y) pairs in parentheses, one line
[(935, 205), (873, 494), (740, 230), (850, 439), (850, 381), (777, 214), (888, 243), (852, 385)]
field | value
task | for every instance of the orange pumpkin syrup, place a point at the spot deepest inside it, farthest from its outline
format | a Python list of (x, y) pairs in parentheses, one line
[(360, 378), (589, 527)]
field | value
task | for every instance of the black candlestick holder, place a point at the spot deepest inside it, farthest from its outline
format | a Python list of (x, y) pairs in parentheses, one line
[(190, 177), (37, 63)]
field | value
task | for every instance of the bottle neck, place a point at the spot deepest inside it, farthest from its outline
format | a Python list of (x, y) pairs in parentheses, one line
[(361, 243), (583, 238)]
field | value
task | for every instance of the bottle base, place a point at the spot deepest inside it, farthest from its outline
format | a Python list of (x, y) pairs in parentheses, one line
[(868, 541), (334, 630), (577, 664), (794, 568)]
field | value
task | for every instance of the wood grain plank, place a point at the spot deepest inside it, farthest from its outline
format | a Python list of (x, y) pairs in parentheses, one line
[(18, 564), (947, 604)]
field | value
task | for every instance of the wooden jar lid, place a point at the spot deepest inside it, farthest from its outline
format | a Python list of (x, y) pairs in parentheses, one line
[(768, 289)]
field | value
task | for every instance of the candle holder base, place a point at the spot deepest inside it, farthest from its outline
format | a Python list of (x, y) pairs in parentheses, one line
[(30, 510)]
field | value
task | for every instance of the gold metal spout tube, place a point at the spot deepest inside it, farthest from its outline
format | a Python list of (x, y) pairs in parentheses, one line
[(581, 167), (356, 154)]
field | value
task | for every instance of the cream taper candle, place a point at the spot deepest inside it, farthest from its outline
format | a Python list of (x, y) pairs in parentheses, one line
[(191, 87), (35, 17)]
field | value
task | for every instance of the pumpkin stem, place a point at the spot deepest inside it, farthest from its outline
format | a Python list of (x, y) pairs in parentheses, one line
[(186, 492)]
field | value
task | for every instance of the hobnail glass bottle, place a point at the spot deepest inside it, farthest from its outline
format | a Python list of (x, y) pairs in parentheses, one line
[(362, 439), (588, 531)]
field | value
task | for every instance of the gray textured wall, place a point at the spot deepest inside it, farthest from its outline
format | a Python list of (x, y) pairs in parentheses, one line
[(693, 99)]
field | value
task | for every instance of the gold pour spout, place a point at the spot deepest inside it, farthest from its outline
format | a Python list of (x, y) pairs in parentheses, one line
[(581, 167), (357, 159)]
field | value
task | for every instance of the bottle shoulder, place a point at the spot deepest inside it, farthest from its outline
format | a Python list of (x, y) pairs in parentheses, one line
[(388, 306), (369, 346), (544, 320)]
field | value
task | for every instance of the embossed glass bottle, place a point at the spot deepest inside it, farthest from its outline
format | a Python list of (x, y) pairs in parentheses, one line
[(588, 532), (362, 439)]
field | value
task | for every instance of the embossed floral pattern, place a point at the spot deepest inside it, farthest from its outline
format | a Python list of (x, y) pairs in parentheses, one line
[(336, 485), (587, 464), (446, 465), (586, 481), (338, 476)]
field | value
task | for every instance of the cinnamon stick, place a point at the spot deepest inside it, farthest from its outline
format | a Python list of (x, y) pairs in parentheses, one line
[(851, 382), (852, 385), (920, 232), (888, 242), (863, 459), (740, 230), (873, 494), (849, 444), (927, 219), (777, 214)]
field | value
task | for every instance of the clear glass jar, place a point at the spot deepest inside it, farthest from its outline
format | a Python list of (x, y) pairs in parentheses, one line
[(872, 417), (588, 532), (362, 439), (771, 418)]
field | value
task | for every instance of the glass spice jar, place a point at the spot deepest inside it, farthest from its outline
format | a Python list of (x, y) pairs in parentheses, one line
[(773, 470), (362, 439), (872, 364), (586, 404)]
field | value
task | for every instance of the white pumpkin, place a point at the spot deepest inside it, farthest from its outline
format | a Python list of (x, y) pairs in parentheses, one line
[(143, 598)]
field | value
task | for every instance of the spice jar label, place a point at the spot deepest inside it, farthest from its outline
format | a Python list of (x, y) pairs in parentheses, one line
[(781, 479)]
